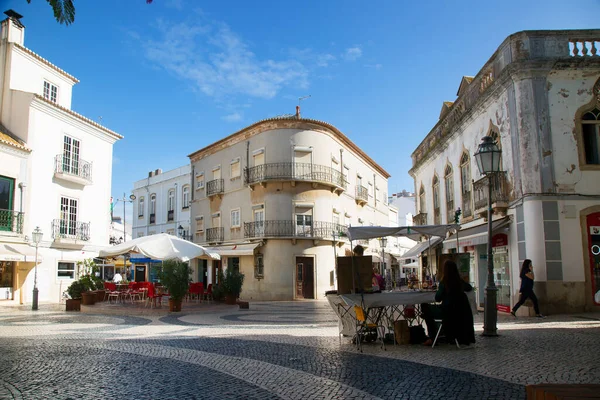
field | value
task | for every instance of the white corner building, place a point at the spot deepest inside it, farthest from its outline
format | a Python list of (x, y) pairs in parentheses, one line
[(55, 174)]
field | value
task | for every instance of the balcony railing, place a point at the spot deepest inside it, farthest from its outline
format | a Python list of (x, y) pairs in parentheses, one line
[(11, 221), (450, 212), (420, 219), (291, 229), (362, 194), (215, 234), (290, 171), (68, 229), (214, 187), (170, 215), (73, 167), (152, 218), (499, 192)]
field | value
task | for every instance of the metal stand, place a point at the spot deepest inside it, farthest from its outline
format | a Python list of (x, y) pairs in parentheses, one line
[(490, 317)]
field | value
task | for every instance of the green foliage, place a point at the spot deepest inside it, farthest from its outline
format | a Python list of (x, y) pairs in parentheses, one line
[(175, 276), (75, 289), (64, 10), (87, 270), (231, 282)]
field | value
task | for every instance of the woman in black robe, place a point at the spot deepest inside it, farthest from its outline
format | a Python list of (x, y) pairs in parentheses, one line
[(457, 317)]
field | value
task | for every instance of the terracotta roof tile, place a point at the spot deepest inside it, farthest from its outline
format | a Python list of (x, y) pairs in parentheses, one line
[(9, 140)]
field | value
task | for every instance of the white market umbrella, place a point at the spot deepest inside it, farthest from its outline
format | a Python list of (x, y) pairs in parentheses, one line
[(161, 246)]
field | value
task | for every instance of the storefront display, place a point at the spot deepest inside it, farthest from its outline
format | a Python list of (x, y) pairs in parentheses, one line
[(593, 225), (6, 280), (501, 271)]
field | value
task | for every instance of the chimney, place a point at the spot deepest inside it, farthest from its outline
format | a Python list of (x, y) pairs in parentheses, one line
[(150, 174), (12, 28), (158, 171), (298, 112)]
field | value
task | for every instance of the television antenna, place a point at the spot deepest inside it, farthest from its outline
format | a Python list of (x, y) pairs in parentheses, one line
[(302, 98)]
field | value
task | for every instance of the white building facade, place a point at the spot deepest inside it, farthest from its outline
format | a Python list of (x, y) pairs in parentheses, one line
[(274, 199), (539, 97), (55, 173)]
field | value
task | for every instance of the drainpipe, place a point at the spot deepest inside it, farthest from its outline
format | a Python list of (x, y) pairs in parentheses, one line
[(247, 158), (22, 187)]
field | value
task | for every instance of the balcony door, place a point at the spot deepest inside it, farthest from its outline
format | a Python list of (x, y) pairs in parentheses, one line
[(304, 221), (68, 216), (259, 222), (217, 173), (303, 164), (7, 188), (71, 156)]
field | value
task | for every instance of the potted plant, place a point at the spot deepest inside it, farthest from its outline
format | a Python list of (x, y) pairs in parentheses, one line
[(87, 276), (175, 277), (231, 284), (74, 291)]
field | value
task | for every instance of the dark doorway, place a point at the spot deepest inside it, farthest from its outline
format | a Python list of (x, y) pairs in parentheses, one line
[(203, 271), (305, 278), (140, 273)]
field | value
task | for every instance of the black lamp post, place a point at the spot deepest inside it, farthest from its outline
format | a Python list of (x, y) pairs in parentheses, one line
[(488, 161), (124, 200), (180, 230), (383, 243), (36, 236)]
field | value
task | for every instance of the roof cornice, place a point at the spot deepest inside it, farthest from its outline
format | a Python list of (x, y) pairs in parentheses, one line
[(42, 100), (48, 63), (285, 123)]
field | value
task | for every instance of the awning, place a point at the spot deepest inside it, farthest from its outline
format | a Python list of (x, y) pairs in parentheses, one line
[(18, 252), (421, 247), (246, 249), (474, 235)]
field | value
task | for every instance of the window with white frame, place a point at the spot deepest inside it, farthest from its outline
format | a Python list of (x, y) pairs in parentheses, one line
[(258, 157), (200, 181), (259, 268), (141, 207), (422, 200), (199, 226), (70, 162), (65, 270), (465, 184), (590, 129), (185, 196), (449, 186), (171, 200), (50, 92), (152, 210), (235, 171), (336, 218), (235, 218), (68, 216)]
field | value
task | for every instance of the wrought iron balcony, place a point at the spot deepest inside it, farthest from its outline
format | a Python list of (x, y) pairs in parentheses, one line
[(214, 187), (152, 218), (68, 229), (73, 169), (499, 194), (11, 221), (215, 235), (420, 219), (170, 215), (295, 172), (291, 229), (362, 195)]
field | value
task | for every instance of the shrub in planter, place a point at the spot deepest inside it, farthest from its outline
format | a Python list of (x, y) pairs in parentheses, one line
[(231, 283), (74, 291), (175, 277)]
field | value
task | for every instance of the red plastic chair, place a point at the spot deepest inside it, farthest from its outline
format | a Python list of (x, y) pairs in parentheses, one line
[(208, 293), (153, 296)]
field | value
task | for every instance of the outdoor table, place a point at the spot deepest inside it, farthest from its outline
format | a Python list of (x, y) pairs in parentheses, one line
[(391, 306)]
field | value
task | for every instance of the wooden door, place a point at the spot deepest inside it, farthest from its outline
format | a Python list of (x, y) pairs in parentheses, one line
[(304, 278), (140, 273)]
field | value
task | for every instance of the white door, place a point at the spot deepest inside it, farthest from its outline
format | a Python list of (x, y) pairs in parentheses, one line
[(259, 222)]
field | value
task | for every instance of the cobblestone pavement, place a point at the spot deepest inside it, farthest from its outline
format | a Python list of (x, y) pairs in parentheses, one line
[(277, 350)]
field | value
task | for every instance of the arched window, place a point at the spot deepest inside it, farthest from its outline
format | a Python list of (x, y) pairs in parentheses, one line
[(141, 207), (152, 208), (590, 132), (436, 200), (422, 200), (466, 184), (185, 197), (449, 186)]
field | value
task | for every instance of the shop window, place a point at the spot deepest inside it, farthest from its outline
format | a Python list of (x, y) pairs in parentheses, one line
[(233, 263), (259, 268)]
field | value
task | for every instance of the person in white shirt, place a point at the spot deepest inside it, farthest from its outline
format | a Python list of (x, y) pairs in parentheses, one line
[(117, 278)]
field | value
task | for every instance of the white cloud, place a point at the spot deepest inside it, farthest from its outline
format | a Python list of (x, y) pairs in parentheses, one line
[(353, 53), (219, 62), (232, 117), (374, 66), (312, 59)]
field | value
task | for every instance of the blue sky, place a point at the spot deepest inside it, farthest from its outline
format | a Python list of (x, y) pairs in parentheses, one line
[(177, 75)]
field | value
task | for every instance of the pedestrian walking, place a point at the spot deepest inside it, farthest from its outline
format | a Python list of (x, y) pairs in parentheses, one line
[(526, 291)]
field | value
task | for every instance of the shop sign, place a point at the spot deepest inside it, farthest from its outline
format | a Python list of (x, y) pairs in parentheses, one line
[(594, 230), (502, 308), (500, 239)]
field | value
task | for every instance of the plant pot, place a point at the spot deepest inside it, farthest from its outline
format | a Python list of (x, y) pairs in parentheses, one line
[(88, 298), (230, 299), (174, 305), (100, 295), (73, 305)]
